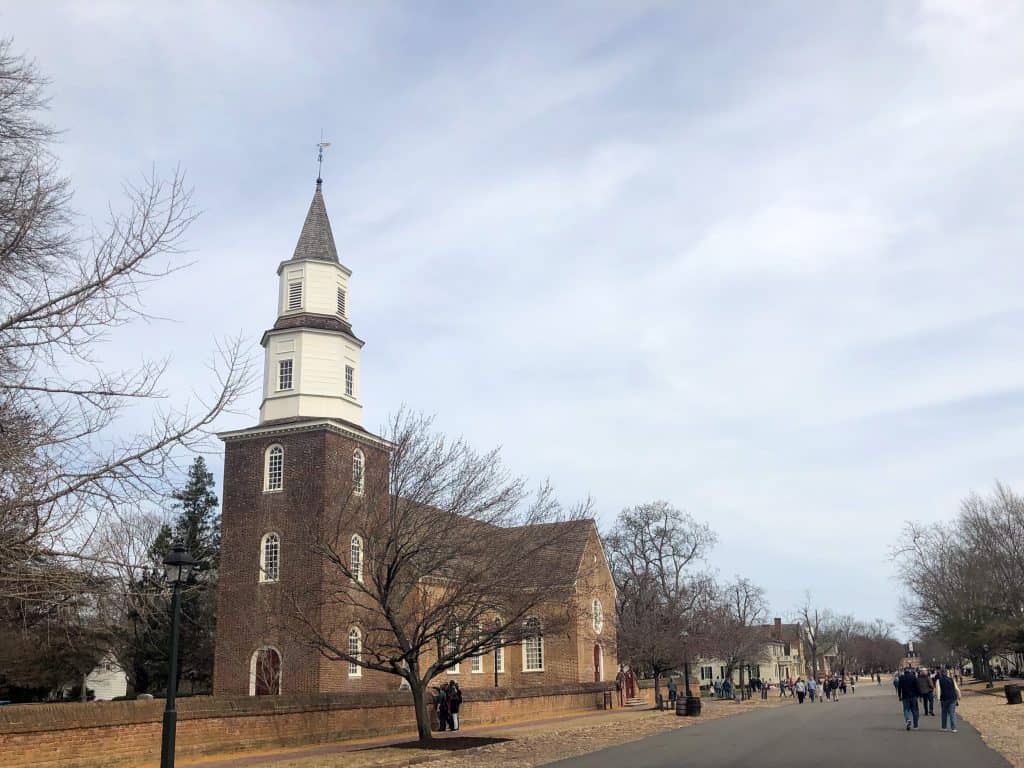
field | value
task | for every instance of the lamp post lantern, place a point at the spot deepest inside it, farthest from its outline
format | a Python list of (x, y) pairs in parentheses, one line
[(178, 567)]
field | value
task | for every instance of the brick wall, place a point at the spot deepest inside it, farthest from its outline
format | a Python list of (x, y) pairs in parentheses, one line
[(123, 733)]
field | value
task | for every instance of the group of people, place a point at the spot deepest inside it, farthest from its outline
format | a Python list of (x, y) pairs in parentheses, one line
[(824, 689), (917, 689), (827, 688), (448, 699)]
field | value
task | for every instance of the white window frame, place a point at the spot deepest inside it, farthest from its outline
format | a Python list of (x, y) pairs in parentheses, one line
[(265, 577), (499, 649), (355, 670), (355, 557), (350, 380), (598, 616), (476, 662), (294, 295), (358, 472), (268, 480), (286, 367), (451, 644), (538, 639)]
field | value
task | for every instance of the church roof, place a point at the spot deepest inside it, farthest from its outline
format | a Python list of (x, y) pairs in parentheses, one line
[(316, 240)]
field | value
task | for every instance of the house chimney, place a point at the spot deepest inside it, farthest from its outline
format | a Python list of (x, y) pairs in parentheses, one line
[(778, 628)]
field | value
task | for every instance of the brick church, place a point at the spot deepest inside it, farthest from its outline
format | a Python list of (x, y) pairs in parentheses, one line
[(309, 450)]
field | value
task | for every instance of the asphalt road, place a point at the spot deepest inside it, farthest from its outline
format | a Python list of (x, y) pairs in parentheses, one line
[(865, 729)]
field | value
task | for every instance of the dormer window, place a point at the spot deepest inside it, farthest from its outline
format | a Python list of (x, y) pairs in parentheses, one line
[(294, 295), (341, 301)]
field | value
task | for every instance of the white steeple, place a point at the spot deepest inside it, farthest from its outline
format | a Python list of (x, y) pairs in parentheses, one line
[(312, 355)]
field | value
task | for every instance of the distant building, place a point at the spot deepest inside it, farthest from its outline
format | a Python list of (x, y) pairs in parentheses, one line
[(785, 655)]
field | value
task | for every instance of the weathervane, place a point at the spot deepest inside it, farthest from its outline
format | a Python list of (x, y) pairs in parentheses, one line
[(320, 157)]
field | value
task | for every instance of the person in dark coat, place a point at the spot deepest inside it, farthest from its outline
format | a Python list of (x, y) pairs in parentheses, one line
[(454, 703), (908, 693), (949, 697), (441, 702)]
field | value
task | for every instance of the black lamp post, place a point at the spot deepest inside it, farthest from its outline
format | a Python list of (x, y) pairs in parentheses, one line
[(178, 567), (988, 667)]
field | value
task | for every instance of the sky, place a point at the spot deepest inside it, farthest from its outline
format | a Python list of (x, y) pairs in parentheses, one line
[(761, 260)]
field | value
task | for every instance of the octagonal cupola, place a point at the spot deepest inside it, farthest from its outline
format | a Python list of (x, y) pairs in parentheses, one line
[(311, 353)]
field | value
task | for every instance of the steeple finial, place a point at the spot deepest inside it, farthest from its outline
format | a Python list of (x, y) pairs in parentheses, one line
[(320, 158)]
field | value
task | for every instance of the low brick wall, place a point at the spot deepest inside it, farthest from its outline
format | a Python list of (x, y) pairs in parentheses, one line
[(119, 733)]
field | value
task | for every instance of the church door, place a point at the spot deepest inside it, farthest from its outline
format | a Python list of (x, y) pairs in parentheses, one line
[(268, 672), (597, 663)]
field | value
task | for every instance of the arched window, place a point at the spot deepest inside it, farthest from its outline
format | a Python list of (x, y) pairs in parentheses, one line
[(355, 650), (265, 672), (533, 646), (273, 471), (358, 472), (356, 557), (270, 557), (598, 616)]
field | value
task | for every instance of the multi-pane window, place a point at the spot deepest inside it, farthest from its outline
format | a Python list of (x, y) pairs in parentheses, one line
[(274, 472), (356, 557), (355, 651), (284, 374), (477, 663), (499, 654), (294, 295), (350, 380), (533, 647), (341, 301), (598, 616), (449, 647), (706, 673), (270, 558), (358, 472)]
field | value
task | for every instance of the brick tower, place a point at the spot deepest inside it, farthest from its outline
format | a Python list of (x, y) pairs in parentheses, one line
[(291, 471)]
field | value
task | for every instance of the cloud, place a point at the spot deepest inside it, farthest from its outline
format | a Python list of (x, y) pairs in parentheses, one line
[(763, 265)]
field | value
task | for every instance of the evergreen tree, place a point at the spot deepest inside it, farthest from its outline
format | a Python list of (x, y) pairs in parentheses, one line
[(197, 524)]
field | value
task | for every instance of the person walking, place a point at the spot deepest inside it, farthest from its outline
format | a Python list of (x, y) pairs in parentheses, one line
[(454, 703), (812, 688), (718, 688), (673, 690), (853, 685), (727, 688), (907, 690), (927, 692), (949, 698), (801, 690), (619, 681)]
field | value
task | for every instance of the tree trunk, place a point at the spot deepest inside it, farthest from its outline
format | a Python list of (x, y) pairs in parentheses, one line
[(85, 691), (418, 690), (741, 680), (657, 688)]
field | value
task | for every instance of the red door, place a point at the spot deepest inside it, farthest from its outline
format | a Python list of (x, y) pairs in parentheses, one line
[(597, 663), (268, 672)]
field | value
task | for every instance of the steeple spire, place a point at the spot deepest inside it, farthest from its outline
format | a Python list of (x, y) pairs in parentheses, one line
[(316, 241)]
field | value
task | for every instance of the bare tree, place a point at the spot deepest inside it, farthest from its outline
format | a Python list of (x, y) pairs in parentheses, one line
[(69, 465), (653, 551), (964, 579), (817, 628), (738, 633), (456, 561)]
